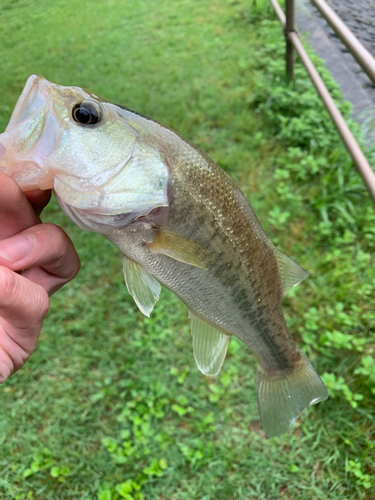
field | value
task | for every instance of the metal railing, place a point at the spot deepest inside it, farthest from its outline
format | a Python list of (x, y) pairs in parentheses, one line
[(293, 42), (362, 55)]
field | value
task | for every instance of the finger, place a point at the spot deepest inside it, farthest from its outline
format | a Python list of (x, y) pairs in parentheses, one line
[(22, 303), (16, 213), (46, 254), (23, 306), (38, 199)]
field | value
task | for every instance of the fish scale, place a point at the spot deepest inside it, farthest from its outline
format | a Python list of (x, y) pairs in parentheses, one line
[(239, 322), (247, 239), (179, 221)]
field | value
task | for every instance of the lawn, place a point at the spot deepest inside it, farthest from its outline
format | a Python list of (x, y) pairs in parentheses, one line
[(111, 404)]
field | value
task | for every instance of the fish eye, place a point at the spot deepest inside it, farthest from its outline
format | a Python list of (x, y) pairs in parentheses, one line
[(87, 112)]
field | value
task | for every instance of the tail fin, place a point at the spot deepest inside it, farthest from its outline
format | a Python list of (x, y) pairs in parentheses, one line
[(281, 398)]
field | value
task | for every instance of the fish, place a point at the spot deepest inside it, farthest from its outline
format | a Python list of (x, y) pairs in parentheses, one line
[(179, 220)]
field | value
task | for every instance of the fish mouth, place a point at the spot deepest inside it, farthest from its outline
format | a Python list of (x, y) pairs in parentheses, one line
[(36, 127), (30, 136), (34, 96)]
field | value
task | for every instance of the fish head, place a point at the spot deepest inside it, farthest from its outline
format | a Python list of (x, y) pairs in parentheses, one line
[(104, 171)]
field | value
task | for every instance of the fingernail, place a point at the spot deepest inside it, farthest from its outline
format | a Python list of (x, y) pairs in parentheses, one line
[(16, 248)]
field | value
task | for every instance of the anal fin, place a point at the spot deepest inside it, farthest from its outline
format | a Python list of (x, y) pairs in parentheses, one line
[(209, 345), (142, 286), (291, 273)]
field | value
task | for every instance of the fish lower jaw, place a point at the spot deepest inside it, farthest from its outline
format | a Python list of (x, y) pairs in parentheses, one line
[(29, 185), (28, 175), (2, 151)]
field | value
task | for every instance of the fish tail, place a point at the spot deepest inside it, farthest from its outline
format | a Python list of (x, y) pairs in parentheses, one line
[(283, 396)]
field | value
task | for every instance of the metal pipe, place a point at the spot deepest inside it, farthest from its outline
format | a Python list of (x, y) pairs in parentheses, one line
[(289, 28), (279, 12), (351, 144), (354, 46)]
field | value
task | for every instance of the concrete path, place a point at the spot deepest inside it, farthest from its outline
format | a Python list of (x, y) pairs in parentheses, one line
[(359, 16)]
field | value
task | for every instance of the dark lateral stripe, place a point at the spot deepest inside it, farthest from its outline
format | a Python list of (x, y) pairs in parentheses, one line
[(239, 296)]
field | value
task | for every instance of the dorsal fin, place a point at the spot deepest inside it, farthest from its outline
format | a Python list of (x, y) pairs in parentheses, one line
[(291, 273), (142, 286), (209, 345)]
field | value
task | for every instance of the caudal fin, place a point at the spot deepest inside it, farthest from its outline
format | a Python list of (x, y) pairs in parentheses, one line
[(281, 398)]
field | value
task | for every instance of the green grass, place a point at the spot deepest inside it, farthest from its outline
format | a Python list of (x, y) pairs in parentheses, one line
[(111, 404)]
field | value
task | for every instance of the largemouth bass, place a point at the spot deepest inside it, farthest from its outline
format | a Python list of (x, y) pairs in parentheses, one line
[(179, 221)]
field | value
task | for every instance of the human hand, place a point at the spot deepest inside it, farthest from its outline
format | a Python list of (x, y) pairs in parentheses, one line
[(35, 261)]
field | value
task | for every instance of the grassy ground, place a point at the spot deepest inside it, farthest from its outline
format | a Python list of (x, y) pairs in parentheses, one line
[(111, 404)]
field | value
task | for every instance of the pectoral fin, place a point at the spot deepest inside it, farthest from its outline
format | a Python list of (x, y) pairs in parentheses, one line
[(141, 285), (209, 344), (291, 273), (180, 248)]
